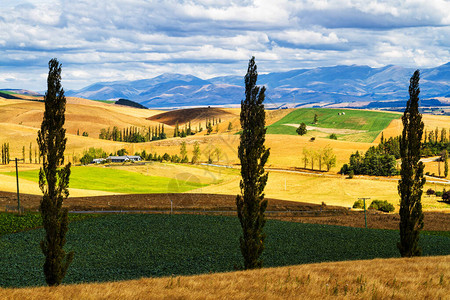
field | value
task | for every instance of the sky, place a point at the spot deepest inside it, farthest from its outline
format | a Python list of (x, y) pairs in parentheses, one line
[(136, 39)]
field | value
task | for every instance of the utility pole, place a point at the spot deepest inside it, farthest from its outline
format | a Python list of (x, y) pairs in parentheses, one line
[(365, 214)]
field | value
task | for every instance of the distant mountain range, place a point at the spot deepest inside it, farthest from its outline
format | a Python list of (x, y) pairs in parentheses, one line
[(324, 86)]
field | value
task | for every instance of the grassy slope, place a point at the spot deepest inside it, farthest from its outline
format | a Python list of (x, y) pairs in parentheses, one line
[(118, 247), (370, 121), (119, 181), (374, 279)]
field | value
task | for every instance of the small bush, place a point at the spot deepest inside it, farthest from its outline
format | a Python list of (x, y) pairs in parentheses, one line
[(344, 170), (446, 196), (333, 136), (382, 206), (439, 194), (351, 174), (430, 192), (358, 204)]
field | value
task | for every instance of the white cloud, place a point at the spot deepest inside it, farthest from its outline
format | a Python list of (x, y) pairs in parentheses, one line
[(305, 37), (135, 39)]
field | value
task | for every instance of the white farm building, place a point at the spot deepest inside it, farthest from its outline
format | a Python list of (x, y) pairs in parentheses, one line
[(123, 158)]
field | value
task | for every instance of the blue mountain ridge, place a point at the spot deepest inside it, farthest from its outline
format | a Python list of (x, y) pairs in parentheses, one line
[(334, 84)]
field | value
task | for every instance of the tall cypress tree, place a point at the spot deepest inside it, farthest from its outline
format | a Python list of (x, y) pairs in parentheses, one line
[(445, 163), (412, 179), (54, 178), (253, 155)]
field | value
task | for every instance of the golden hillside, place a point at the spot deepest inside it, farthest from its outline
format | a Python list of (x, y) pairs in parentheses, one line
[(396, 278)]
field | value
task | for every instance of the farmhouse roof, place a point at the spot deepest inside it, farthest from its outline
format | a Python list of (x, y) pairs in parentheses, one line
[(124, 157)]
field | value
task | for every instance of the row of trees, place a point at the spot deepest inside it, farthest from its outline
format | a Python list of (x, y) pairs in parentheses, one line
[(323, 156), (429, 147), (133, 134), (186, 131), (434, 137), (211, 153), (5, 153), (32, 153)]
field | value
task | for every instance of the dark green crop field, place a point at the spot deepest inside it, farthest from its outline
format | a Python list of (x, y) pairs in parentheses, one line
[(366, 124), (119, 247), (12, 222)]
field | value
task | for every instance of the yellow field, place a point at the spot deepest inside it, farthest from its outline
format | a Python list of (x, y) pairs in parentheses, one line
[(430, 122), (20, 120), (396, 278), (330, 189), (286, 150)]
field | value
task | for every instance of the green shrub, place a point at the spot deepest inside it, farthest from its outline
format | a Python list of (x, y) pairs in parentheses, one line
[(382, 206), (333, 136), (358, 204), (430, 192), (351, 174), (446, 196)]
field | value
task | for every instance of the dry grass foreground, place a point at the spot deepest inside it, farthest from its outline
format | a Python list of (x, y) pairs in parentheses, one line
[(397, 278)]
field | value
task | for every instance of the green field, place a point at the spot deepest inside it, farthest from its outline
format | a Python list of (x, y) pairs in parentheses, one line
[(118, 181), (7, 92), (119, 247), (371, 122)]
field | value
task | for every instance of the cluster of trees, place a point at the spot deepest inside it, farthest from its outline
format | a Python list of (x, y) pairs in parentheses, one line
[(5, 159), (380, 205), (182, 158), (5, 153), (435, 136), (210, 123), (379, 160), (186, 131), (83, 134), (373, 162), (133, 134), (436, 143), (430, 145), (444, 194), (89, 155), (324, 156)]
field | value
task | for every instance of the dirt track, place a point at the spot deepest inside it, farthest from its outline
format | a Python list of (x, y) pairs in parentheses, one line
[(225, 204)]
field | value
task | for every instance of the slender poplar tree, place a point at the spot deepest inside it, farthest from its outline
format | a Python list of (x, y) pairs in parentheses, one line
[(54, 178), (412, 180), (445, 163), (253, 155)]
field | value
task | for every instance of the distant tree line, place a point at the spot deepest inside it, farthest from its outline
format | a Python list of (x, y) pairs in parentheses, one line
[(133, 134), (435, 142), (32, 153), (381, 160)]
